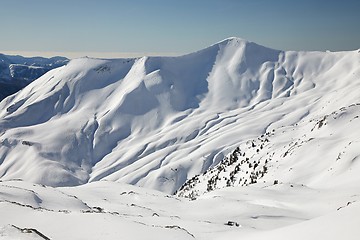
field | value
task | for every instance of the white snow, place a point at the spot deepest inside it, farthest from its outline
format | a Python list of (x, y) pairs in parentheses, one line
[(108, 210), (88, 129)]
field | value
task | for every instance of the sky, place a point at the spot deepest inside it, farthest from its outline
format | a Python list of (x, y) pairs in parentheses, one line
[(112, 28)]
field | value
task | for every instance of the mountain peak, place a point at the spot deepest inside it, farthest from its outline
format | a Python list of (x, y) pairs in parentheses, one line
[(231, 39), (236, 43)]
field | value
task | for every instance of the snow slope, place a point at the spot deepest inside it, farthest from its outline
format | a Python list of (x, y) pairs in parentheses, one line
[(321, 152), (157, 121)]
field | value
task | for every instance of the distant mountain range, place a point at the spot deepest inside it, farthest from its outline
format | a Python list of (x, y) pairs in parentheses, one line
[(16, 71)]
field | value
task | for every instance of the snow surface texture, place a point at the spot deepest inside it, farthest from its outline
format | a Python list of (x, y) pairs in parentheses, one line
[(16, 71), (108, 210), (270, 138)]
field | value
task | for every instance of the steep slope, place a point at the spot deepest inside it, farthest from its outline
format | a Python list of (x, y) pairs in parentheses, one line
[(158, 121), (319, 153), (16, 71)]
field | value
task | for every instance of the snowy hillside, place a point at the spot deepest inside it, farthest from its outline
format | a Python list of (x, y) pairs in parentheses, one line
[(255, 143), (318, 152), (16, 71), (157, 121)]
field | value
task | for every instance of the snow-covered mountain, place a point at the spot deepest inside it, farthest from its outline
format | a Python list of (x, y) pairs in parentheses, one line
[(16, 71), (264, 143), (158, 121)]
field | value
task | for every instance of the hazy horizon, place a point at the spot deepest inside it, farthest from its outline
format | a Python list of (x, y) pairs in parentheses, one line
[(88, 54), (125, 28)]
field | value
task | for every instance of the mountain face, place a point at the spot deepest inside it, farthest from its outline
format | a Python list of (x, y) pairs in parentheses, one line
[(16, 72), (156, 122)]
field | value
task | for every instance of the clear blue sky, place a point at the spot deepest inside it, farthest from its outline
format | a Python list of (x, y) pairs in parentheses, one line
[(180, 26)]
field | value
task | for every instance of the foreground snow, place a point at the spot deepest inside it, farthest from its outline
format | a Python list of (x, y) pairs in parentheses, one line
[(108, 210)]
